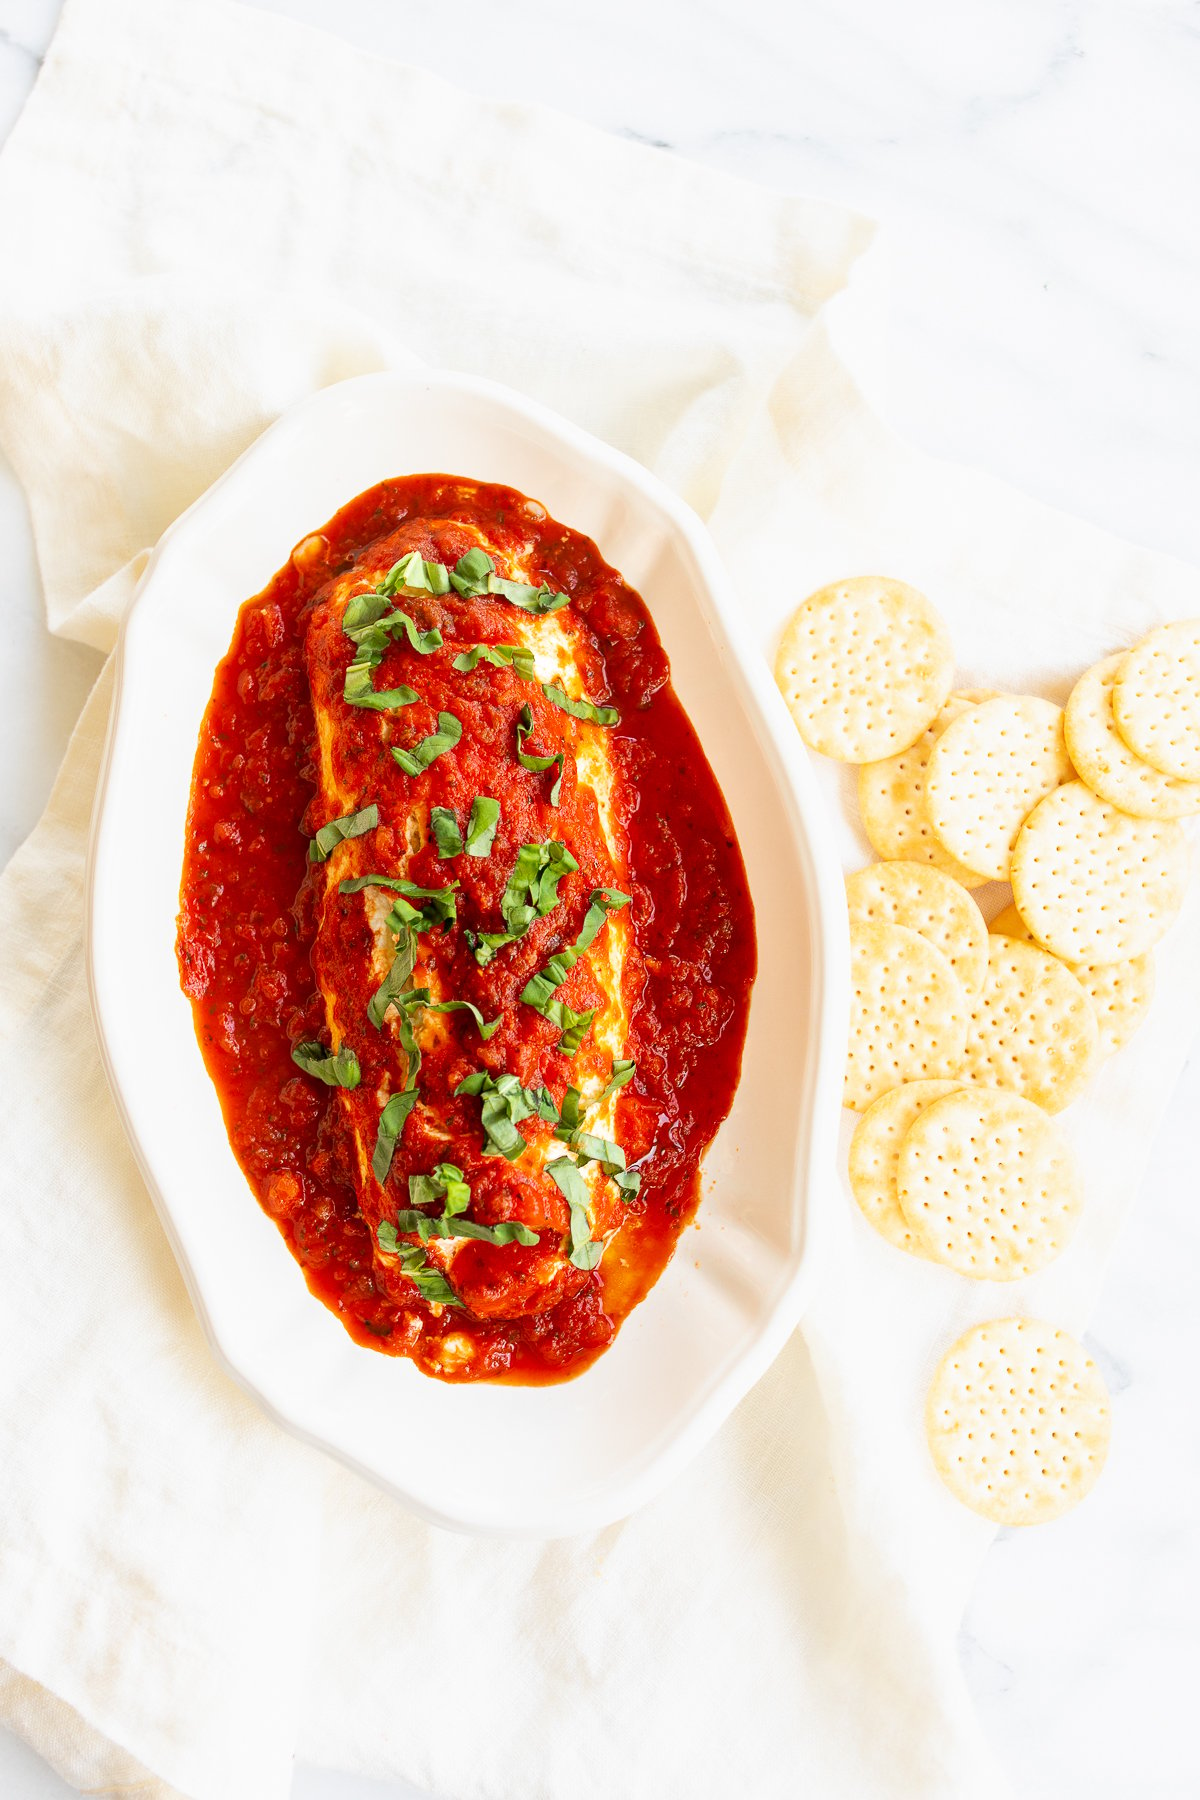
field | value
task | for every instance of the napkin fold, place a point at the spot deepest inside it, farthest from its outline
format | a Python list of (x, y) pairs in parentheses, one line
[(206, 213)]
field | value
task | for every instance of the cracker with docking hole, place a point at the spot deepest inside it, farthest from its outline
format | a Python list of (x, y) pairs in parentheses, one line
[(986, 771), (874, 1150), (1104, 760), (1156, 699), (864, 666), (927, 901), (908, 1012), (1120, 992), (988, 1184), (1093, 884), (891, 798), (1018, 1421), (1033, 1028)]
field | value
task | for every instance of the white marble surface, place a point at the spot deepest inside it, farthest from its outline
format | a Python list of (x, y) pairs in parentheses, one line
[(1036, 163)]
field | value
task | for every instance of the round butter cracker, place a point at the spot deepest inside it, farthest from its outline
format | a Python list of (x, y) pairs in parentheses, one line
[(908, 1012), (1093, 884), (986, 771), (988, 1185), (1017, 1421), (1033, 1029), (1120, 992), (875, 1148), (929, 902), (865, 666), (891, 799), (1156, 699), (1104, 760)]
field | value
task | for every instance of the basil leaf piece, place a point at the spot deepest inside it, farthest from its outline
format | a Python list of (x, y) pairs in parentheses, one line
[(448, 1006), (446, 1181), (504, 1103), (431, 1284), (338, 1068), (538, 991), (414, 761), (391, 1124), (580, 709), (414, 571), (481, 826), (509, 1231), (470, 573), (441, 907), (585, 1252), (600, 1150), (516, 657), (358, 689), (394, 580), (623, 1070), (628, 1181), (362, 610), (532, 889), (486, 943), (574, 1026), (530, 599), (392, 987), (446, 834), (530, 893), (351, 825), (374, 636), (571, 1114), (536, 763)]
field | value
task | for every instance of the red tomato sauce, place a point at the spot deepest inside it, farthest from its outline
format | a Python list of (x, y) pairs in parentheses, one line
[(246, 931)]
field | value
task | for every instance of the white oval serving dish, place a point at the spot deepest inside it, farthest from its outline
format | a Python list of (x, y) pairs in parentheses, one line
[(536, 1461)]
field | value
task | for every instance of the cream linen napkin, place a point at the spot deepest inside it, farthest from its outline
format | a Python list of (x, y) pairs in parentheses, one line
[(203, 215)]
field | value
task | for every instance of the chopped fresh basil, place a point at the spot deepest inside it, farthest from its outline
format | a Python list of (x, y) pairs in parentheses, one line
[(413, 571), (600, 1150), (431, 1284), (530, 599), (391, 1124), (585, 1251), (531, 893), (338, 1068), (537, 764), (407, 1004), (628, 1181), (481, 826), (570, 1115), (358, 689), (532, 890), (392, 987), (362, 611), (414, 761), (538, 991), (473, 574), (446, 834), (449, 1006), (580, 709), (516, 657), (622, 1071), (503, 1105), (352, 825), (470, 573), (450, 1225), (440, 906), (574, 1026), (445, 1182), (374, 637)]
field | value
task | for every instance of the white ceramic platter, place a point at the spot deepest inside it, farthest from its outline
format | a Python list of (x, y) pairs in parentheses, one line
[(519, 1460)]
